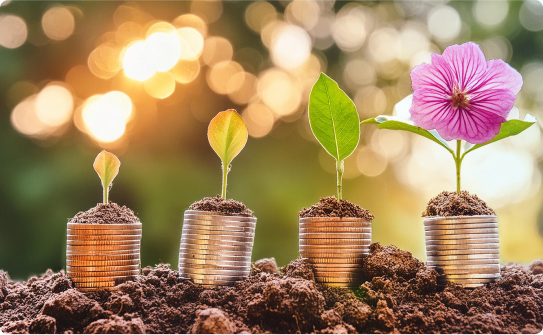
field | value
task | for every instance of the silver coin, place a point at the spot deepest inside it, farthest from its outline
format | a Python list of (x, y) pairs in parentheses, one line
[(461, 273), (210, 268), (206, 252), (102, 257), (200, 215), (464, 241), (103, 237), (220, 238), (333, 219), (201, 225), (191, 230), (461, 231), (335, 261), (443, 247), (217, 247), (335, 235), (439, 263), (474, 251), (462, 257), (215, 262), (214, 242), (230, 281), (334, 241), (492, 225), (244, 258), (467, 280), (462, 237), (214, 275), (471, 276), (354, 230), (461, 219), (343, 224)]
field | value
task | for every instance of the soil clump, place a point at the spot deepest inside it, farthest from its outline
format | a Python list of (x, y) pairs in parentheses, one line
[(454, 204), (222, 206), (332, 207), (110, 213), (399, 295)]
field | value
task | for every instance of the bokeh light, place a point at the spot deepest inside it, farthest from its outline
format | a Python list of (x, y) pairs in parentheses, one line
[(105, 116), (444, 23), (259, 119), (490, 13), (291, 46), (209, 10), (185, 71), (58, 23), (161, 85), (531, 15), (136, 62), (13, 31), (163, 50), (192, 43), (258, 14), (54, 105)]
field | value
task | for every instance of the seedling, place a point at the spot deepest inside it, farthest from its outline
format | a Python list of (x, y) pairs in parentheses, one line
[(473, 103), (107, 166), (227, 135), (334, 122)]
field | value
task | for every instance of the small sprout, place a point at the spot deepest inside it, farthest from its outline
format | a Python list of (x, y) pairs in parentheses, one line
[(227, 134), (107, 166), (334, 122)]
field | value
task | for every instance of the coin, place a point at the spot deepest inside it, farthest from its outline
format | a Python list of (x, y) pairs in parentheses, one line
[(337, 280), (461, 231), (216, 276), (467, 226), (344, 285), (217, 257), (463, 257), (102, 263), (461, 273), (104, 232), (461, 219), (464, 262), (205, 282), (442, 247), (463, 237), (221, 218), (222, 243), (105, 248), (334, 219), (110, 226), (351, 255), (358, 251), (70, 268), (194, 224), (104, 237), (215, 262), (103, 257), (103, 242), (191, 230), (106, 273), (95, 284), (346, 224), (335, 235), (472, 276), (474, 251), (325, 260), (213, 269), (220, 238), (480, 241), (85, 279), (335, 230), (467, 280), (334, 241), (336, 265), (204, 253), (217, 248)]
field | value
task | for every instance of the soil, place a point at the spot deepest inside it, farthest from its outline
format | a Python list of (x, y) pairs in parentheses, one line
[(222, 206), (332, 207), (106, 214), (399, 295), (454, 204)]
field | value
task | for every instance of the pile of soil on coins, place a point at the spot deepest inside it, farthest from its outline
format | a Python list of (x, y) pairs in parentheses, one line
[(454, 204), (332, 207), (399, 295), (222, 206), (106, 214)]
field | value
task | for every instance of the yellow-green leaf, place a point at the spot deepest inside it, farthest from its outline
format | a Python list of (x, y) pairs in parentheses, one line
[(227, 134), (107, 166)]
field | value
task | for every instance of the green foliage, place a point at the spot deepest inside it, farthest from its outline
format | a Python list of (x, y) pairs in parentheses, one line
[(334, 122)]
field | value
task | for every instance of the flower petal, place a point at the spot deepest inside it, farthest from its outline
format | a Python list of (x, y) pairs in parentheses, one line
[(498, 75), (437, 76), (468, 63), (499, 102), (429, 110), (474, 126)]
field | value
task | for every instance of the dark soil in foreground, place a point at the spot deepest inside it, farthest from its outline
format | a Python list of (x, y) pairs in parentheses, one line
[(400, 295), (222, 206), (106, 214), (454, 204), (332, 207)]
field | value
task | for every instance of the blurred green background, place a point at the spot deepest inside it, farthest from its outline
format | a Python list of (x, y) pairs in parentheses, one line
[(173, 65)]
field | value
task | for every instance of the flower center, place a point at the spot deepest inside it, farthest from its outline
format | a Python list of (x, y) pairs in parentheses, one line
[(459, 99)]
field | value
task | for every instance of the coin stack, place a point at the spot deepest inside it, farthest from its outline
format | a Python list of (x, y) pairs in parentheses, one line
[(216, 249), (335, 246), (463, 249), (102, 255)]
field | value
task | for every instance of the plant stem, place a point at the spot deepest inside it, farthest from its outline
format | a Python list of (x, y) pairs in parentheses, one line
[(225, 171), (340, 167), (106, 194), (458, 163)]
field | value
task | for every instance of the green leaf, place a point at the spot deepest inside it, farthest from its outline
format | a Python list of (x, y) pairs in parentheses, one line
[(508, 128), (333, 118), (388, 122), (227, 134), (107, 166)]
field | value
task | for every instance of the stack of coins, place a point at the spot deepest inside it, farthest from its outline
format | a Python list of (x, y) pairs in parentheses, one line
[(216, 249), (335, 247), (463, 249), (102, 255)]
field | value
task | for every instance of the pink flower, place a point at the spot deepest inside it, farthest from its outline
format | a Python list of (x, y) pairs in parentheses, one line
[(463, 96)]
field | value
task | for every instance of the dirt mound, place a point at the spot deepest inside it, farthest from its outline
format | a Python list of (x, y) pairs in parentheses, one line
[(106, 213), (454, 204), (400, 296), (221, 206), (331, 207)]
